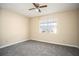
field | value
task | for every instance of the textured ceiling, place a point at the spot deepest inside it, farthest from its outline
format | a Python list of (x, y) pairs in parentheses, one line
[(22, 8)]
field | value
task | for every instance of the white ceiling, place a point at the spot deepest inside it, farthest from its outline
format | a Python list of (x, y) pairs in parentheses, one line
[(22, 8)]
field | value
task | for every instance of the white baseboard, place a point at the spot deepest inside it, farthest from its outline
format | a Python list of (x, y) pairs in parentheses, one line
[(57, 43), (13, 43), (37, 40)]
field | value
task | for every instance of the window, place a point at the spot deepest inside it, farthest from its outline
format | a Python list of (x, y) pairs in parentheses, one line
[(48, 25)]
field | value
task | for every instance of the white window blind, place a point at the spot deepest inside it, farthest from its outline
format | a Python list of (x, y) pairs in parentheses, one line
[(48, 24)]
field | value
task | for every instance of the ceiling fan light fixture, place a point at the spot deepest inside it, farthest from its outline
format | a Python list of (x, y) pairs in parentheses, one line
[(36, 10)]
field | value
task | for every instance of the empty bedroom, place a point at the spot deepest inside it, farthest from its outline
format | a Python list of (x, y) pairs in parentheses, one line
[(39, 29)]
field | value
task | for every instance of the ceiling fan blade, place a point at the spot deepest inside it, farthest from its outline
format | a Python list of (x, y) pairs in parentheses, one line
[(36, 5), (43, 6), (32, 8)]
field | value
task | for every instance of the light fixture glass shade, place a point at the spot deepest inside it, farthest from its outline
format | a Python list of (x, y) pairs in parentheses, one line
[(36, 10)]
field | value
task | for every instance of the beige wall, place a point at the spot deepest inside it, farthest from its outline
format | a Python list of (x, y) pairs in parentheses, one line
[(66, 29), (78, 27), (13, 27)]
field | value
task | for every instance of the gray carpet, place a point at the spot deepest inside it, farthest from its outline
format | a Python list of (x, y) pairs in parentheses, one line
[(36, 48)]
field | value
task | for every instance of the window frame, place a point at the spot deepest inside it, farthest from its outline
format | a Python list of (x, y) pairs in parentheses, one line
[(50, 23)]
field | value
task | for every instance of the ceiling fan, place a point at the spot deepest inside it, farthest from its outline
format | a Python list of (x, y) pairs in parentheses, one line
[(37, 7)]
